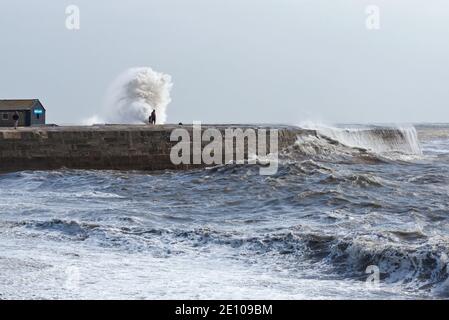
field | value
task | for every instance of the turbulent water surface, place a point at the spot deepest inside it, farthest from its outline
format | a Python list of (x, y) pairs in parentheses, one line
[(344, 201)]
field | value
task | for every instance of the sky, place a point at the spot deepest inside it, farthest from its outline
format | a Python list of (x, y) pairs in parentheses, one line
[(235, 61)]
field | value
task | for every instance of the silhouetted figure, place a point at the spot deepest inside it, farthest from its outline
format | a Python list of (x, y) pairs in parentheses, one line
[(153, 117), (16, 117)]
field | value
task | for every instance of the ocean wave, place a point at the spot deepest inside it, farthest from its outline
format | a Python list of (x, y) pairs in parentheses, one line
[(377, 139), (355, 179), (422, 267), (365, 145), (408, 258), (133, 95)]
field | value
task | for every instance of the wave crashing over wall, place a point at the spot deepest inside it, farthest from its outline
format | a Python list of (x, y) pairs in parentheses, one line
[(133, 95), (375, 139)]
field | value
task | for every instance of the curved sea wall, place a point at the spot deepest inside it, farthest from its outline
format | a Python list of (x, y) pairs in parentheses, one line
[(110, 147)]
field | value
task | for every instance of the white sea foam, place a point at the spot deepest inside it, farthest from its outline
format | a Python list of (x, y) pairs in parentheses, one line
[(403, 139)]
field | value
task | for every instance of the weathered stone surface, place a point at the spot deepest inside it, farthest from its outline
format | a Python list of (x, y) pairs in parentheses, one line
[(121, 147)]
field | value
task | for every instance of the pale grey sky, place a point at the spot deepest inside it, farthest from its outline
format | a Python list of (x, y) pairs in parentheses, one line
[(279, 61)]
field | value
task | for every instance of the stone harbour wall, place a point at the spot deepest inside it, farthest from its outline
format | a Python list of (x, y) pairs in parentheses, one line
[(105, 147)]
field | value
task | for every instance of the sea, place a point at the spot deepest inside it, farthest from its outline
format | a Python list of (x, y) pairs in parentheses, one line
[(353, 212)]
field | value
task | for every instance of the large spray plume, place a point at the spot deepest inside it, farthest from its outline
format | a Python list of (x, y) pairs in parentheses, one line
[(133, 95)]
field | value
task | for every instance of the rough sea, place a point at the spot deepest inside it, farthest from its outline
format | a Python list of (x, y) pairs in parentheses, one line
[(354, 212)]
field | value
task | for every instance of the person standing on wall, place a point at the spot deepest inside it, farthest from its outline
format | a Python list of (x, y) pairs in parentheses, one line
[(16, 117), (153, 117)]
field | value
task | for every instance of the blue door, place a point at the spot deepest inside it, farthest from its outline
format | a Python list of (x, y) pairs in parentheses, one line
[(27, 118)]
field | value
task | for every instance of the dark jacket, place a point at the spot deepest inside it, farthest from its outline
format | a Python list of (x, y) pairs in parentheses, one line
[(153, 116)]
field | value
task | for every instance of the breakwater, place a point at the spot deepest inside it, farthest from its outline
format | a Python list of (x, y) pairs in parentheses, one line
[(107, 147)]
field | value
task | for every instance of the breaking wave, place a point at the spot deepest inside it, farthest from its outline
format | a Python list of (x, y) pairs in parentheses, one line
[(133, 95), (404, 257), (362, 142)]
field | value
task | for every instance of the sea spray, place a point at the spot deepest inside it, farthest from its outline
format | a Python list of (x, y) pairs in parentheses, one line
[(378, 139), (133, 95)]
